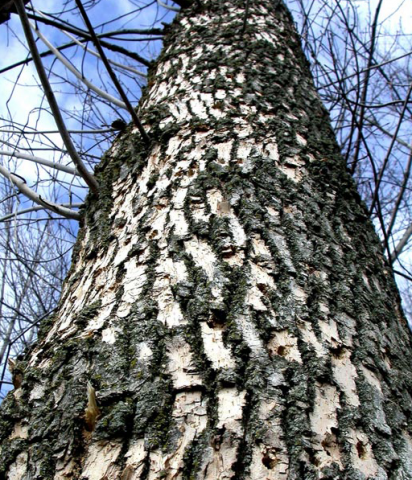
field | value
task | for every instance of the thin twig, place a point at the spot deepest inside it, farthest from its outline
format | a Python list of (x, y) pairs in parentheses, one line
[(110, 71), (168, 7), (77, 74), (89, 179)]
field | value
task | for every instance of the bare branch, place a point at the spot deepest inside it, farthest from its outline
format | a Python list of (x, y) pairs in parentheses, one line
[(41, 161), (36, 209), (35, 197)]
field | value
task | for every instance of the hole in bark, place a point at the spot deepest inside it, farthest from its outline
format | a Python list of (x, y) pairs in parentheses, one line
[(269, 460), (282, 350), (329, 444), (338, 352), (228, 250), (91, 255), (312, 456), (361, 449), (217, 317), (262, 287)]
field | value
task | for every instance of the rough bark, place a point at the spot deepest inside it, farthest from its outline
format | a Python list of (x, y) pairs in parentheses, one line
[(228, 300)]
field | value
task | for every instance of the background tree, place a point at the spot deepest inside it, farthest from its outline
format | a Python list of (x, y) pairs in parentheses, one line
[(229, 299)]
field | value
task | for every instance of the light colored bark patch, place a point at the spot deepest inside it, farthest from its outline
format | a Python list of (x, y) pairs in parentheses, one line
[(231, 403), (135, 458), (109, 335), (330, 333), (214, 199), (302, 141), (168, 273), (218, 460), (97, 322), (179, 197), (144, 351), (100, 461), (224, 151), (250, 334), (268, 464), (37, 392), (217, 464), (324, 424), (284, 344), (133, 282), (20, 431), (299, 293), (64, 469), (18, 469), (169, 310), (176, 271), (239, 235), (283, 249), (215, 350), (293, 173), (203, 256), (271, 149), (361, 454), (259, 247), (180, 364), (177, 219), (372, 378), (344, 372), (261, 277), (157, 223), (254, 299), (189, 413), (199, 213)]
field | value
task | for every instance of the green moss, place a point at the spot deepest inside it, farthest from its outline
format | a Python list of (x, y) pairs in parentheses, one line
[(116, 422), (9, 452)]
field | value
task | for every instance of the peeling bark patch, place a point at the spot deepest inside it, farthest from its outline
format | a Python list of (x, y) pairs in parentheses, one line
[(345, 374), (135, 461), (101, 460), (230, 407), (325, 425), (20, 431), (189, 413), (217, 353), (181, 366)]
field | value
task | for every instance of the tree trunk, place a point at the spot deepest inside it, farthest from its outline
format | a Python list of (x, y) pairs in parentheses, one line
[(228, 301)]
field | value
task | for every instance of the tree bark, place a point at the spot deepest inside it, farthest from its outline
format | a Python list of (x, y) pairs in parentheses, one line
[(228, 301)]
